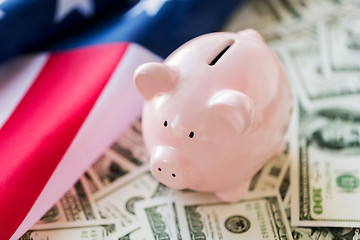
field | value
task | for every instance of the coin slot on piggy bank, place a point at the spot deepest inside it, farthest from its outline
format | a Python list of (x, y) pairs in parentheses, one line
[(228, 45), (216, 110)]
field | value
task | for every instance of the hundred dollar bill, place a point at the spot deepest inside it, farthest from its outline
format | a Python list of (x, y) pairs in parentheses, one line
[(130, 146), (118, 200), (75, 206), (325, 177), (270, 176), (340, 41), (256, 217), (303, 63), (99, 230), (105, 171), (322, 233), (108, 169), (279, 19), (158, 219)]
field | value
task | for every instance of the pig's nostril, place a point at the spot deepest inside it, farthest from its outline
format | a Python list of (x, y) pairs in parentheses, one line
[(173, 175), (191, 135), (159, 169)]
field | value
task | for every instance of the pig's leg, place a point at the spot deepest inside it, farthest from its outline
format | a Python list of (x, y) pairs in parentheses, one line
[(234, 194)]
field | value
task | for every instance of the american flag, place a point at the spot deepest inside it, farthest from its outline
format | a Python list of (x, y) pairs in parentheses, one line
[(158, 25), (66, 90)]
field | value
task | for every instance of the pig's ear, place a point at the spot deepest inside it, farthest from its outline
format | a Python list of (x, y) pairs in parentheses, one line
[(234, 107), (251, 33), (152, 78)]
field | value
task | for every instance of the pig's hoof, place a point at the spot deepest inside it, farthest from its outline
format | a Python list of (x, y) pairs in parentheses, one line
[(234, 194)]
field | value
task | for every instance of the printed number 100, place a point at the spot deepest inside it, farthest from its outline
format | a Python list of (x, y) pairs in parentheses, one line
[(317, 198)]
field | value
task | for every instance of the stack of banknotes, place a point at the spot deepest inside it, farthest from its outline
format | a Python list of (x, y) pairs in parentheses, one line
[(311, 191)]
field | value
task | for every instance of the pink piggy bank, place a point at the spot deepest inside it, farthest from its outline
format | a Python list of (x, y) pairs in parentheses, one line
[(216, 110)]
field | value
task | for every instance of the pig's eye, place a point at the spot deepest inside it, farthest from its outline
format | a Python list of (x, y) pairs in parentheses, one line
[(191, 134), (165, 124)]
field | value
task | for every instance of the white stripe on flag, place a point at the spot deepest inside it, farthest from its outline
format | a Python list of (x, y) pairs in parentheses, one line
[(16, 77)]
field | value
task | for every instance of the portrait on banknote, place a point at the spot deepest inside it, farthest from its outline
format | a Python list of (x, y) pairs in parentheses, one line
[(336, 130)]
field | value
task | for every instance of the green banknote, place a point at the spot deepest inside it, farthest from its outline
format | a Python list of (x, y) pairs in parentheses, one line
[(340, 42), (326, 174), (96, 230), (256, 217), (119, 200), (158, 219)]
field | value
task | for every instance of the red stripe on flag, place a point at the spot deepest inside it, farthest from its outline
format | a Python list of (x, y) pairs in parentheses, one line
[(38, 133)]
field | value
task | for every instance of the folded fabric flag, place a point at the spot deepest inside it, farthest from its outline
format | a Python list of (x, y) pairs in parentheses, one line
[(158, 25), (58, 112)]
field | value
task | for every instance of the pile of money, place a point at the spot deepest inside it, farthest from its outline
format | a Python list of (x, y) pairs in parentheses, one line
[(318, 43), (310, 191)]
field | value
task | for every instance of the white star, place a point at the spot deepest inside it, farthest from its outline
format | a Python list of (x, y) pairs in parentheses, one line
[(150, 7), (64, 7), (2, 14)]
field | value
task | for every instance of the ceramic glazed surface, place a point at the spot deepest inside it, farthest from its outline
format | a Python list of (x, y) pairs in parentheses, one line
[(216, 110)]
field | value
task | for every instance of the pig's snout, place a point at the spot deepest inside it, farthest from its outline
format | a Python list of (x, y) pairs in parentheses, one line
[(171, 168)]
